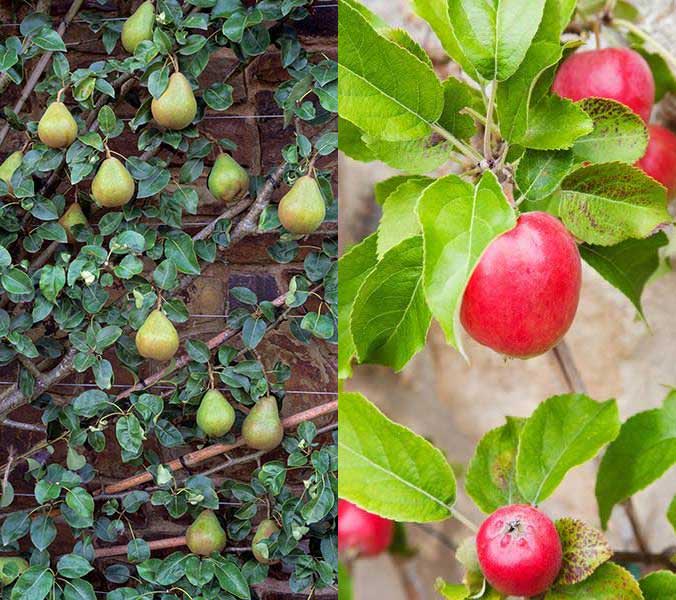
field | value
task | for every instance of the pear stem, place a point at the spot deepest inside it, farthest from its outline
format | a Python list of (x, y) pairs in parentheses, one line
[(105, 147), (174, 62), (60, 93)]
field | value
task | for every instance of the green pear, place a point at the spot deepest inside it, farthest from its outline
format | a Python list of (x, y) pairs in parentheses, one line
[(262, 428), (266, 529), (112, 185), (302, 208), (157, 337), (57, 127), (176, 107), (7, 168), (227, 179), (215, 416), (205, 535), (72, 216), (139, 27), (10, 568)]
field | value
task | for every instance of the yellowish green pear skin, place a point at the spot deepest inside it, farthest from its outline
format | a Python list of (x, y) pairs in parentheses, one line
[(57, 127), (7, 168), (138, 27), (176, 107), (157, 338), (227, 179), (112, 185), (266, 529), (10, 568), (72, 216), (262, 428), (206, 535), (302, 208), (215, 415)]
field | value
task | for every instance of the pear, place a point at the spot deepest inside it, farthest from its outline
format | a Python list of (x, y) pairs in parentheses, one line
[(215, 416), (57, 127), (157, 337), (112, 185), (266, 529), (262, 429), (10, 568), (302, 208), (72, 216), (227, 179), (176, 107), (205, 535), (139, 27), (7, 168)]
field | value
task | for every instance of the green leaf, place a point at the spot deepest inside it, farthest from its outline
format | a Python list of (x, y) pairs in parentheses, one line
[(353, 268), (73, 566), (619, 134), (15, 281), (351, 143), (540, 172), (413, 156), (671, 513), (563, 432), (491, 477), (43, 532), (80, 501), (387, 469), (35, 583), (78, 589), (608, 203), (609, 582), (643, 451), (382, 88), (554, 124), (628, 266), (660, 585), (584, 550), (180, 249), (49, 40), (451, 591), (457, 96), (459, 221), (230, 578), (390, 318), (399, 220), (495, 36), (52, 280)]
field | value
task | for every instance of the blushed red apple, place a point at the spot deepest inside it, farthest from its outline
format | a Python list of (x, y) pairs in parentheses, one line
[(523, 294), (659, 161), (519, 550), (361, 533), (619, 74)]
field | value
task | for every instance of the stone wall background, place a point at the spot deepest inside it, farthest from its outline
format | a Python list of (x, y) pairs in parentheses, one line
[(453, 404)]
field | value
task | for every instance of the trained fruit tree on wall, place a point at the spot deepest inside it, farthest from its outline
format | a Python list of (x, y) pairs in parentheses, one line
[(546, 131), (167, 253)]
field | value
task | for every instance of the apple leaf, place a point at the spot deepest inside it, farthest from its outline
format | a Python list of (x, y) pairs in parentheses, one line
[(387, 469), (671, 513), (350, 141), (605, 204), (458, 221), (540, 172), (608, 582), (413, 156), (563, 432), (659, 585), (643, 451), (584, 550)]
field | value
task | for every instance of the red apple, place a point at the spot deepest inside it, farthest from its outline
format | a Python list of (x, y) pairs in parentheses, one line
[(523, 294), (361, 533), (618, 74), (519, 550), (659, 160)]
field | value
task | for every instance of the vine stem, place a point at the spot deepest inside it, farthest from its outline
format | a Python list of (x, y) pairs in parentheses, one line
[(489, 122), (629, 26), (571, 373)]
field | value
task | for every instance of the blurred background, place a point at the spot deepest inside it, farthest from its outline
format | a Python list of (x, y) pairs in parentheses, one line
[(453, 404)]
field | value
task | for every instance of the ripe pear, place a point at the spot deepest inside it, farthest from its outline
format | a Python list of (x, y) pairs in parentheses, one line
[(227, 179), (176, 107), (215, 416), (72, 216), (302, 209), (138, 27), (7, 168), (262, 429), (112, 185), (57, 127), (157, 337), (10, 568), (266, 529), (205, 535)]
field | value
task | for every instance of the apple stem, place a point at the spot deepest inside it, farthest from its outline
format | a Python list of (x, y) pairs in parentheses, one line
[(661, 50), (489, 122)]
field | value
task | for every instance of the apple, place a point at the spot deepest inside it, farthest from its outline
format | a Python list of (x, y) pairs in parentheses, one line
[(361, 533), (659, 160), (523, 294), (618, 74), (519, 551)]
